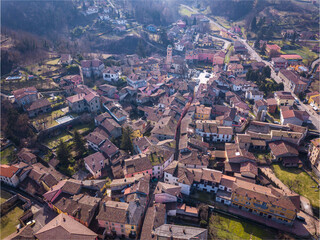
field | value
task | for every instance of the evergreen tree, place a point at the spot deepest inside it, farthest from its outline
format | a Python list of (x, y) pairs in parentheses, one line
[(194, 21), (164, 37), (254, 24), (141, 49), (79, 144), (63, 153), (263, 49), (126, 143), (293, 40), (257, 44), (266, 71)]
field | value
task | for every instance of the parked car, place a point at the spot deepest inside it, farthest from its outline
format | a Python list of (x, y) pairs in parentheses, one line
[(31, 223), (302, 219)]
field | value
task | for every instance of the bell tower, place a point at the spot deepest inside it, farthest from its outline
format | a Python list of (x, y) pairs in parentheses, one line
[(169, 54)]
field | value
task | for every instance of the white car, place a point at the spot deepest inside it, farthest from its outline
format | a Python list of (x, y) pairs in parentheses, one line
[(32, 222)]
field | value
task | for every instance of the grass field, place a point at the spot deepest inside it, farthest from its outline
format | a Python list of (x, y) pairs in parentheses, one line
[(4, 196), (299, 181), (225, 227), (304, 52), (183, 11), (223, 22), (53, 61), (84, 128), (7, 155), (53, 142), (9, 222)]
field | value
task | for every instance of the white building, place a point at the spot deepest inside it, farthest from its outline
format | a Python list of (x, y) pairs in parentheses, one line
[(157, 170), (254, 95), (178, 46), (210, 132), (95, 163), (181, 177), (92, 10), (136, 81), (8, 175), (110, 75)]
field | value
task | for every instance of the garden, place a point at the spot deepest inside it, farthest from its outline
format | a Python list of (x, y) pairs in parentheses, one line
[(9, 221), (300, 182), (225, 227)]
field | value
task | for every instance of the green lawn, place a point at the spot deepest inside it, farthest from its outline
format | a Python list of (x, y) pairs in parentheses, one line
[(4, 196), (10, 221), (7, 155), (225, 227), (223, 22), (299, 181), (53, 61), (53, 142), (48, 119), (84, 128), (183, 11), (304, 52)]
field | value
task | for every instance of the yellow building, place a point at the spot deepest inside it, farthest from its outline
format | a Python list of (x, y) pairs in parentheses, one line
[(314, 155), (270, 203), (313, 96), (284, 98), (202, 113)]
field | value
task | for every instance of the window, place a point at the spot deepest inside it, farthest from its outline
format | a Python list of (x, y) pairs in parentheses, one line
[(132, 227)]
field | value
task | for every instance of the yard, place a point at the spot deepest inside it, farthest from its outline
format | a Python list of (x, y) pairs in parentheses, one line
[(4, 196), (46, 121), (304, 52), (7, 155), (53, 142), (84, 128), (10, 221), (203, 196), (225, 227), (300, 182)]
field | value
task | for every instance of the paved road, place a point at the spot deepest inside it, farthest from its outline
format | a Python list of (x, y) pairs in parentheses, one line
[(314, 117)]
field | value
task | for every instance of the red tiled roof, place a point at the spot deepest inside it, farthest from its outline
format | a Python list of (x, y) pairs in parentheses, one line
[(8, 171), (76, 98), (40, 103), (20, 93), (291, 56), (280, 148)]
